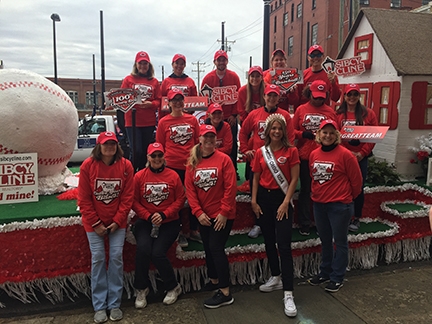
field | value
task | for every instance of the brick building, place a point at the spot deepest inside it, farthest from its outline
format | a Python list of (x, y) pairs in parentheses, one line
[(81, 90), (295, 25)]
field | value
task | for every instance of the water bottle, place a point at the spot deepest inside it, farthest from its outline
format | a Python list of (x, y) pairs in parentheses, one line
[(155, 231)]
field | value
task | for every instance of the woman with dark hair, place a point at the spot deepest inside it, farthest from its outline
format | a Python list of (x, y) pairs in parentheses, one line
[(159, 196), (211, 193), (336, 181), (251, 95), (350, 113), (142, 79), (306, 121), (105, 197), (276, 172)]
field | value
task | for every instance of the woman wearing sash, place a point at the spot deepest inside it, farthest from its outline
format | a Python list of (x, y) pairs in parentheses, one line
[(276, 172)]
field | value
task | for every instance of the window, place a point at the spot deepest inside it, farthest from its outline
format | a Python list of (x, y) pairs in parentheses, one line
[(420, 116), (299, 10), (292, 12), (274, 46), (89, 98), (290, 45), (313, 4), (314, 36), (285, 19), (275, 24), (363, 47), (364, 2), (395, 3), (425, 2), (385, 97), (73, 95)]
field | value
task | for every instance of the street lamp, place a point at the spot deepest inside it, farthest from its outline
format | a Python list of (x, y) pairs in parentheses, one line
[(55, 17)]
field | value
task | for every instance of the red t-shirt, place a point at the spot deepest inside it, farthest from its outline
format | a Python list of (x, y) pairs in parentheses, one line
[(241, 103), (308, 118), (150, 91), (370, 120), (224, 139), (336, 175), (184, 83), (211, 187), (177, 135), (105, 192), (285, 158), (158, 192), (223, 92)]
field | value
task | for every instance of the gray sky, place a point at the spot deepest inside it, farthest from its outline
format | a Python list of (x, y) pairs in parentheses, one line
[(161, 28)]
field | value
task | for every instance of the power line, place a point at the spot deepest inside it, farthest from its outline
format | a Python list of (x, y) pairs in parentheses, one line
[(247, 27)]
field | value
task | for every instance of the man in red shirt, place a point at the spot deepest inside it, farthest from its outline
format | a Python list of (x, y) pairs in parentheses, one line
[(221, 86)]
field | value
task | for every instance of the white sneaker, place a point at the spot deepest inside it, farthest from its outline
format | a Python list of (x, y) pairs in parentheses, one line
[(141, 300), (290, 307), (255, 232), (172, 295), (274, 283)]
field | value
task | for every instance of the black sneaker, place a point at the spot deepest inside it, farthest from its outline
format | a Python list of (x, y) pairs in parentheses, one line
[(334, 286), (354, 226), (218, 300), (304, 230), (317, 280), (210, 286)]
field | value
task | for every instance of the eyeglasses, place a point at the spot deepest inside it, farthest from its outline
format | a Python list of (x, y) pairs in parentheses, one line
[(156, 155), (315, 55), (353, 94)]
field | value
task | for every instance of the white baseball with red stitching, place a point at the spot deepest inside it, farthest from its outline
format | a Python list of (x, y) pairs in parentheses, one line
[(36, 115)]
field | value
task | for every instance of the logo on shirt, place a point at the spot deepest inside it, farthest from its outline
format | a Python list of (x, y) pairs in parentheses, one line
[(282, 160), (184, 89), (311, 122), (146, 91), (322, 171), (206, 178), (261, 129), (156, 193), (346, 122), (107, 190), (181, 134)]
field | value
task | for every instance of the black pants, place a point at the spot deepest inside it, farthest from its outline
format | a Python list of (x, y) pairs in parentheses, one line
[(233, 154), (154, 250), (304, 200), (144, 137), (277, 232), (214, 247)]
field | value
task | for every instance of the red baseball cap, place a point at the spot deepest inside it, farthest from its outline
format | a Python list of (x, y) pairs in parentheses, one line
[(255, 68), (214, 107), (142, 56), (174, 92), (326, 122), (153, 147), (105, 137), (318, 89), (315, 48), (205, 129), (351, 87), (220, 53), (278, 50), (272, 88), (179, 57)]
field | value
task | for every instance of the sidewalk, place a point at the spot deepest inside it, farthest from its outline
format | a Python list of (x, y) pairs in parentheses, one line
[(387, 294)]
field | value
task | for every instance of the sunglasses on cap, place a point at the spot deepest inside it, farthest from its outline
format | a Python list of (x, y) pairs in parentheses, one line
[(314, 55), (156, 155), (353, 94)]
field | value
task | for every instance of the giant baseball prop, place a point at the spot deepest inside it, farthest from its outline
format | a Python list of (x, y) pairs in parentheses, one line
[(37, 116)]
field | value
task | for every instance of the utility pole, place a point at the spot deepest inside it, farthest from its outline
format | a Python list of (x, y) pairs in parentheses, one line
[(163, 72), (198, 64), (224, 40)]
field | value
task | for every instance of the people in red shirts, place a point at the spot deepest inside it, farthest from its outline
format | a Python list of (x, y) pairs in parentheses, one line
[(105, 197), (336, 182), (179, 80), (306, 121), (251, 95), (223, 131), (279, 61), (221, 86), (271, 205), (352, 112), (142, 78), (211, 192), (178, 132), (159, 196), (314, 72)]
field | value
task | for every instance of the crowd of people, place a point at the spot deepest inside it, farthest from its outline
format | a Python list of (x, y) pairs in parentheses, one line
[(286, 137)]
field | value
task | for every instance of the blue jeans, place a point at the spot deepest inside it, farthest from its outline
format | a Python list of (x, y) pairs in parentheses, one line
[(332, 220), (107, 284)]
